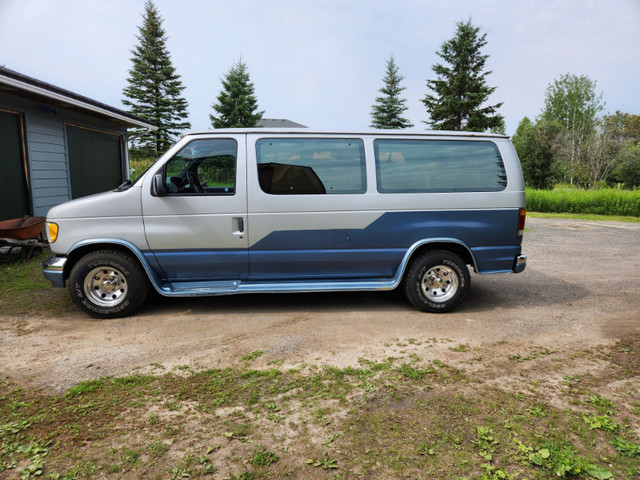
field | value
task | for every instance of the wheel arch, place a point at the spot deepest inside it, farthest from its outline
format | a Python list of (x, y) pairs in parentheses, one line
[(437, 279), (81, 249), (452, 245)]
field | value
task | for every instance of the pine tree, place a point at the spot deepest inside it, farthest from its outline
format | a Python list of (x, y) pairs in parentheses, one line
[(236, 104), (154, 90), (387, 111), (460, 89)]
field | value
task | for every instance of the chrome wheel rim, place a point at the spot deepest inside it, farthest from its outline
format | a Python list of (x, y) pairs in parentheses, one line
[(105, 286), (439, 284)]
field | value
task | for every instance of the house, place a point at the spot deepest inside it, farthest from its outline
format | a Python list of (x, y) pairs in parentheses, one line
[(56, 145), (278, 123)]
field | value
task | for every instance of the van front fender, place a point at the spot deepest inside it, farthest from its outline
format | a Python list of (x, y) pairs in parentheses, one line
[(148, 262)]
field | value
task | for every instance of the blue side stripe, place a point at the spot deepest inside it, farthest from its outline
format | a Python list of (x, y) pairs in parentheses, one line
[(375, 251)]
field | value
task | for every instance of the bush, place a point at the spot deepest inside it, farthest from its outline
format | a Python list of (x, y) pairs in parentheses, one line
[(138, 166), (598, 202)]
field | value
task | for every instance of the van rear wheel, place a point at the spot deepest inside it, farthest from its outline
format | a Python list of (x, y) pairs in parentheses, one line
[(108, 284), (437, 281)]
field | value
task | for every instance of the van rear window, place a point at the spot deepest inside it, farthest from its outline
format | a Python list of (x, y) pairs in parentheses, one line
[(303, 166), (438, 166)]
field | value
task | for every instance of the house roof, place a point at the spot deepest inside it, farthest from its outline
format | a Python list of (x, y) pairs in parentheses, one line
[(278, 123), (28, 87)]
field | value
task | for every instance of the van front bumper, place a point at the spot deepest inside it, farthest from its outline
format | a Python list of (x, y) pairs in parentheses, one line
[(520, 264), (53, 270)]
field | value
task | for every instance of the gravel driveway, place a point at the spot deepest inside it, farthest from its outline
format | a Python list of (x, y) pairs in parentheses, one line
[(581, 288)]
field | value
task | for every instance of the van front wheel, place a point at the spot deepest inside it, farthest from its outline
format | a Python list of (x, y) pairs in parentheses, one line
[(437, 281), (108, 284)]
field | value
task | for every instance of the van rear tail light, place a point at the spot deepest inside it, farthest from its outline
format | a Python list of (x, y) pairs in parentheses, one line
[(522, 215)]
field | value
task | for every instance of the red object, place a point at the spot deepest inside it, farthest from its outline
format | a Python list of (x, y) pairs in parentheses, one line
[(22, 228)]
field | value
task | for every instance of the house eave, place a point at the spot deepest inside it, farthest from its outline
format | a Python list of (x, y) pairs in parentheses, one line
[(24, 86)]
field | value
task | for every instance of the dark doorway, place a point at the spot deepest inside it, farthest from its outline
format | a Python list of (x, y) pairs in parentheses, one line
[(95, 160), (14, 187)]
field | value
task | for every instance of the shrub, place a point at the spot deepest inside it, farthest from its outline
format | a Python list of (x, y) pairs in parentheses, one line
[(138, 166), (598, 202)]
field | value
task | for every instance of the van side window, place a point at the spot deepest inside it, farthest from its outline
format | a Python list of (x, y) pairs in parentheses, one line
[(204, 167), (301, 166), (415, 166)]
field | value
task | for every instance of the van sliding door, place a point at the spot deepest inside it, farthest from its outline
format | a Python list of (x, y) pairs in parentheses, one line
[(307, 211)]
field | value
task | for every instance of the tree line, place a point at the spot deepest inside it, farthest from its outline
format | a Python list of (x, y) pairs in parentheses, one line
[(570, 141)]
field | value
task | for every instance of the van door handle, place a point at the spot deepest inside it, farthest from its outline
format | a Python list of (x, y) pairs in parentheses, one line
[(238, 226)]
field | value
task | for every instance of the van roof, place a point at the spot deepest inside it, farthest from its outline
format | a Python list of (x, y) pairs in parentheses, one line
[(368, 132)]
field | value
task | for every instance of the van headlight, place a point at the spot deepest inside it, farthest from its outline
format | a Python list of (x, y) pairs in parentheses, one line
[(52, 231)]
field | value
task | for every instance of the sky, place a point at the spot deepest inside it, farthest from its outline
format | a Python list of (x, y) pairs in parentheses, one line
[(321, 63)]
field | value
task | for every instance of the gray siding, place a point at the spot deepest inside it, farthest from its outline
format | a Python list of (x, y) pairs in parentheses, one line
[(48, 160), (46, 145)]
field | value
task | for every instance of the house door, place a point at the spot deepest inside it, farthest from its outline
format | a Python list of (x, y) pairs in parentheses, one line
[(95, 160), (14, 189)]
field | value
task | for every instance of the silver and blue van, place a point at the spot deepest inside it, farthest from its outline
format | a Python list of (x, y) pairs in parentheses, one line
[(272, 210)]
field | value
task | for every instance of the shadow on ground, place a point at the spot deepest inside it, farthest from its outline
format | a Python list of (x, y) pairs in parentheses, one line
[(530, 288)]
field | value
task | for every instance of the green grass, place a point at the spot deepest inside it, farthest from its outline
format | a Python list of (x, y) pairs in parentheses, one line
[(400, 418), (592, 202), (24, 290), (138, 166), (578, 216)]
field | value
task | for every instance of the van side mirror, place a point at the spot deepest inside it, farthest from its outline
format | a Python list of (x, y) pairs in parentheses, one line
[(157, 185)]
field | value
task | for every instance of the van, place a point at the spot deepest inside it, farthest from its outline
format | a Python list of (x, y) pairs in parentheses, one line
[(272, 210)]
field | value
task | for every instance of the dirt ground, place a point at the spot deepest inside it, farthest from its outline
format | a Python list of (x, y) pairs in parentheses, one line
[(581, 288)]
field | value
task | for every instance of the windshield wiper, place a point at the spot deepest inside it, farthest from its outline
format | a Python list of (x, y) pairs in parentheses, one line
[(125, 186)]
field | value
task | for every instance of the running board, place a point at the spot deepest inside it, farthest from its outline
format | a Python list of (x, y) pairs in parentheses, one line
[(192, 289)]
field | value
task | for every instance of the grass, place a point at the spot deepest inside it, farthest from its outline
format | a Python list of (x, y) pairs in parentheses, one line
[(475, 413), (25, 291), (399, 418), (138, 166), (591, 202), (579, 216)]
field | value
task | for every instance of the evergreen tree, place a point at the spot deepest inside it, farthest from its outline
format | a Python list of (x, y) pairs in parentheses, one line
[(387, 111), (460, 89), (154, 89), (236, 104)]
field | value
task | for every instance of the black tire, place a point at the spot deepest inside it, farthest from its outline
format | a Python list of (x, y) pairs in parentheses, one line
[(108, 284), (437, 281)]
